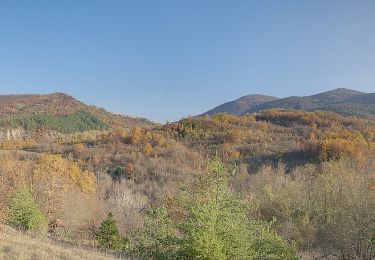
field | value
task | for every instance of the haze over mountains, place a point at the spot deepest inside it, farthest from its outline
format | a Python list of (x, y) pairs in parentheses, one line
[(341, 100)]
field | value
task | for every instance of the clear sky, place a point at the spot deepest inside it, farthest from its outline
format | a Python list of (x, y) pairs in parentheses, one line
[(167, 59)]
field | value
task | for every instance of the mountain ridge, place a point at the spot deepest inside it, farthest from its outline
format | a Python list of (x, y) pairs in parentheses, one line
[(343, 101)]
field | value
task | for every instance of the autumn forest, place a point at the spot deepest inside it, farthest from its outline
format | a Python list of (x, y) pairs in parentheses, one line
[(272, 184)]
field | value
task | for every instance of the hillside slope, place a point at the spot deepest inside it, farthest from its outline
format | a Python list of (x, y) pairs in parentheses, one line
[(240, 105)]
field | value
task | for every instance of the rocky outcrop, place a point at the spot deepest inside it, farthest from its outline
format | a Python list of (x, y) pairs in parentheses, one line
[(11, 133)]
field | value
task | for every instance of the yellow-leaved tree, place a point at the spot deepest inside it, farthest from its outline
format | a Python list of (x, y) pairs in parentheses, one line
[(53, 176)]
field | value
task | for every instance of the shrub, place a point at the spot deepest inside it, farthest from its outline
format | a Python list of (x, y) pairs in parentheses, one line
[(117, 173), (108, 235), (267, 244)]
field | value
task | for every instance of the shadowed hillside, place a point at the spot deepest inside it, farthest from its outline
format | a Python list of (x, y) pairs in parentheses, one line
[(241, 105)]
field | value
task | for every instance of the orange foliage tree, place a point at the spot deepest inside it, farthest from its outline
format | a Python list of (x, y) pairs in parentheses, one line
[(136, 135)]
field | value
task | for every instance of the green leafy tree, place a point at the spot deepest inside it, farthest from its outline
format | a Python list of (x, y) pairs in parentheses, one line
[(24, 212), (108, 235)]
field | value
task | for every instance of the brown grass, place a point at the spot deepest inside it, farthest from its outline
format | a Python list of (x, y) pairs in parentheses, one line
[(17, 245)]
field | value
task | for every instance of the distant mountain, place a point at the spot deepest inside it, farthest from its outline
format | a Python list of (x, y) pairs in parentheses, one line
[(60, 112), (341, 100), (241, 105)]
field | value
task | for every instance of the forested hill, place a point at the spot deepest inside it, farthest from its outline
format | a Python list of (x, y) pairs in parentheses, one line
[(342, 101), (59, 112)]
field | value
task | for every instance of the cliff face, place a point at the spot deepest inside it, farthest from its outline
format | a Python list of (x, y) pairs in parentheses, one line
[(11, 133)]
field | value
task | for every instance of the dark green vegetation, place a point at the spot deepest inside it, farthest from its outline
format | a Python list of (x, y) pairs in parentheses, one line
[(108, 235), (270, 185), (79, 121), (342, 101)]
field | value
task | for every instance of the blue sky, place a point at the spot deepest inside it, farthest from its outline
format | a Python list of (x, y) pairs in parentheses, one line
[(168, 59)]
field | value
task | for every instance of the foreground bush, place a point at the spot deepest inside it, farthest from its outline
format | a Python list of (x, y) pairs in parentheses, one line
[(24, 212)]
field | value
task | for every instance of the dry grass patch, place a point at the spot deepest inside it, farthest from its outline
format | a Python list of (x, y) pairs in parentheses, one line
[(16, 245)]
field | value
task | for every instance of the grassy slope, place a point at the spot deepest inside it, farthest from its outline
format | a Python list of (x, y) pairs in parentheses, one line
[(16, 245)]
